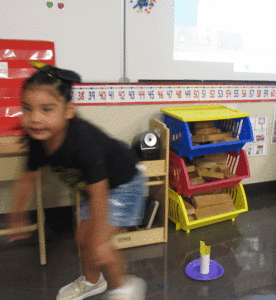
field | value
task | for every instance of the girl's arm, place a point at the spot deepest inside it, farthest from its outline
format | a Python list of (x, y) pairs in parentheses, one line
[(23, 188), (98, 194)]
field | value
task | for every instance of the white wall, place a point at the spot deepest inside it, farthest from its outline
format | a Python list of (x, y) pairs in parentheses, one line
[(87, 36)]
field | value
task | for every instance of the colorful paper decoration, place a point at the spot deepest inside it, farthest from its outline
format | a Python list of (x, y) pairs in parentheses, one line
[(145, 5), (49, 4), (60, 5)]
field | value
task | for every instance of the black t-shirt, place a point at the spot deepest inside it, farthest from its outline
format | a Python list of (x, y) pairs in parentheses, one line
[(87, 156)]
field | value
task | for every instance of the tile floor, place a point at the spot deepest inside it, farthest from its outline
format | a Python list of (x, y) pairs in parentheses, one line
[(245, 249)]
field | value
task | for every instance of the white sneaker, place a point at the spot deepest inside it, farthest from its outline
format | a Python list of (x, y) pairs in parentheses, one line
[(81, 289), (134, 289)]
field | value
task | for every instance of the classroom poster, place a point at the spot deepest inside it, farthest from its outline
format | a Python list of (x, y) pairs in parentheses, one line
[(260, 133), (273, 135)]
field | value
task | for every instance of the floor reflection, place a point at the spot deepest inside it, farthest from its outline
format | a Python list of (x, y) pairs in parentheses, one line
[(245, 249)]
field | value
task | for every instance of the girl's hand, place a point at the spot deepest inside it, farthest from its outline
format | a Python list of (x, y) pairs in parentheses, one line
[(17, 220), (22, 190)]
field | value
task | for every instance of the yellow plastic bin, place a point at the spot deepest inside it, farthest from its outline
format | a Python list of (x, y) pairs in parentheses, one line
[(179, 216), (203, 113)]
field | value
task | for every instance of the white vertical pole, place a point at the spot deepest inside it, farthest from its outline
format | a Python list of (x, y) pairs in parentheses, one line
[(123, 42)]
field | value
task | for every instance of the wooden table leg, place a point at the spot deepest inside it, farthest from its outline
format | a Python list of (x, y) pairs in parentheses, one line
[(40, 219)]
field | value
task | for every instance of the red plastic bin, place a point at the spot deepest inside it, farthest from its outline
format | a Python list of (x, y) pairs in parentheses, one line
[(179, 178)]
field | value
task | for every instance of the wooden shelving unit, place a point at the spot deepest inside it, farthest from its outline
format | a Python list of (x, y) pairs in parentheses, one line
[(157, 173)]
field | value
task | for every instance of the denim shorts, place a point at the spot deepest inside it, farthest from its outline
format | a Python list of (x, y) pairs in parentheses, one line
[(126, 202)]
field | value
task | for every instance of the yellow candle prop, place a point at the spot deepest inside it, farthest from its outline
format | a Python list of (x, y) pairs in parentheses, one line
[(204, 250), (204, 258)]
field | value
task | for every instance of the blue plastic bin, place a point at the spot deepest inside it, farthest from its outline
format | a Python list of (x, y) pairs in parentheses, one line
[(181, 139)]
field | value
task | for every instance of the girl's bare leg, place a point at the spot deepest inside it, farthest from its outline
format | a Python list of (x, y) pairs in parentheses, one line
[(114, 270)]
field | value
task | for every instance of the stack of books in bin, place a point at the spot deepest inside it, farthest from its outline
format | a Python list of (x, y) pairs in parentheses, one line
[(150, 212), (207, 163)]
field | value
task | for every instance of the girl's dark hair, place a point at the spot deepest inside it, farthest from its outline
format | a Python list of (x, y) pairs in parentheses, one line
[(61, 80)]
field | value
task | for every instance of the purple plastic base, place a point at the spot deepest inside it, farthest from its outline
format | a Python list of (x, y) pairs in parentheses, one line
[(193, 270)]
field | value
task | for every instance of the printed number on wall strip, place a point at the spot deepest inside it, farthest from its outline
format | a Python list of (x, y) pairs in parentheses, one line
[(117, 94)]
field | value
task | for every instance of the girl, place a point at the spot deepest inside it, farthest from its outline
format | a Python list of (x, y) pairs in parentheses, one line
[(104, 169)]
